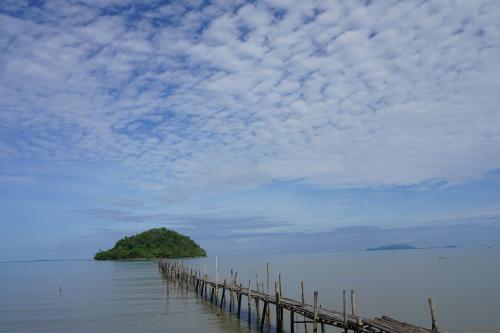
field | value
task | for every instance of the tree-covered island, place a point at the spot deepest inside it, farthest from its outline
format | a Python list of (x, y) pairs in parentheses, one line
[(154, 243)]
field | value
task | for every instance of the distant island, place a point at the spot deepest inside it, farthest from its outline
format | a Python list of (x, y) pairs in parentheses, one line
[(154, 243), (395, 247)]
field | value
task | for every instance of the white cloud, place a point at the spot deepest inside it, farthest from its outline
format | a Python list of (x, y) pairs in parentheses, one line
[(330, 93)]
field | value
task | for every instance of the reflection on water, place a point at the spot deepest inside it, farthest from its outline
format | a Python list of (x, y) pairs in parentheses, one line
[(89, 296)]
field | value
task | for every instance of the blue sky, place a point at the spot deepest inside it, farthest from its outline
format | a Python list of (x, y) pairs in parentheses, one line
[(258, 123)]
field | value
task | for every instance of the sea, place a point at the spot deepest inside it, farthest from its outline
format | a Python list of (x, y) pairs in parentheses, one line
[(52, 296)]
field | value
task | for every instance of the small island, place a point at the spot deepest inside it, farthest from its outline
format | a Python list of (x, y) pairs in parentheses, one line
[(393, 247), (154, 243)]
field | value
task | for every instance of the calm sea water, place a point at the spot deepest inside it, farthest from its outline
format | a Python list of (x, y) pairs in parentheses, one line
[(89, 296)]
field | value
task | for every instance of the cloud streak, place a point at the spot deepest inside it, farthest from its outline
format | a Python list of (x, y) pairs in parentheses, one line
[(209, 96), (202, 226)]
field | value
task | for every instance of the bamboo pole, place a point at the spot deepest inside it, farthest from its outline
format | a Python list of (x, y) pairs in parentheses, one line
[(322, 324), (353, 302), (223, 296), (234, 284), (257, 310), (303, 303), (216, 279), (278, 308), (281, 295), (239, 302), (231, 291), (315, 314), (433, 315), (268, 314), (267, 277), (344, 310), (249, 303), (263, 317), (279, 280)]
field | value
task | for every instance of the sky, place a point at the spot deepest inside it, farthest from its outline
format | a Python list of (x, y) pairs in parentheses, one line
[(251, 126)]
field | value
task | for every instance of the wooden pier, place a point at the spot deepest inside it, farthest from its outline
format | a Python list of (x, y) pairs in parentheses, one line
[(299, 311)]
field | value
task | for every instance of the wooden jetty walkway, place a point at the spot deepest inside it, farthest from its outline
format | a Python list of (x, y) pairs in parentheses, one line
[(299, 311)]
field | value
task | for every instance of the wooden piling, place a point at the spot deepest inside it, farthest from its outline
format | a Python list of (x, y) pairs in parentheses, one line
[(433, 315), (268, 314), (231, 291), (206, 287), (263, 317), (249, 301), (267, 277), (279, 281), (315, 315), (353, 302), (234, 282), (257, 310), (292, 322), (239, 302), (223, 296), (279, 328), (303, 303), (344, 298), (231, 298), (216, 279)]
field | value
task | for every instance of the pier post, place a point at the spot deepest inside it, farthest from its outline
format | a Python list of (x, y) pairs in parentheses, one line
[(279, 283), (239, 301), (216, 279), (263, 317), (249, 302), (235, 294), (433, 315), (292, 322), (315, 313), (281, 295), (206, 286), (279, 328), (223, 296), (268, 314), (231, 291), (344, 309), (257, 300), (353, 302), (303, 303)]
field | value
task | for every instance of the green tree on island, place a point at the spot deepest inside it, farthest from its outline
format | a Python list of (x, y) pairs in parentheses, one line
[(154, 243)]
